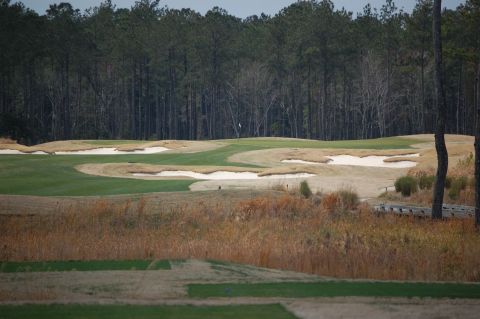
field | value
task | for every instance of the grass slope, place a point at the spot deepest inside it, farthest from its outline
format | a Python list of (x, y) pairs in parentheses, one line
[(144, 312), (93, 265), (336, 289), (55, 175)]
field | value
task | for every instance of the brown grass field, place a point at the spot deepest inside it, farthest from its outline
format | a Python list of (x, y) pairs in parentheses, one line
[(327, 236)]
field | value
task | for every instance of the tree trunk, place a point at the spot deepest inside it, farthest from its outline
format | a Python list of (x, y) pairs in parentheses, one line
[(442, 155), (477, 151), (422, 84)]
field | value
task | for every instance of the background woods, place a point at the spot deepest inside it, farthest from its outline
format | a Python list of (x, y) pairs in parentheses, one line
[(311, 71)]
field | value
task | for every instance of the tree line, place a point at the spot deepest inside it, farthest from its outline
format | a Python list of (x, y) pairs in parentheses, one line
[(310, 71)]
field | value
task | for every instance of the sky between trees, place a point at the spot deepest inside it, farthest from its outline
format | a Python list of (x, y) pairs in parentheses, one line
[(241, 9)]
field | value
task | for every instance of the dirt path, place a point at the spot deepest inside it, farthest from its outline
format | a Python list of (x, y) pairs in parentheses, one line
[(394, 308), (143, 286)]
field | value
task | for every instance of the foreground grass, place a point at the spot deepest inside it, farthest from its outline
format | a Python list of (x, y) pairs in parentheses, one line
[(46, 175), (336, 289), (93, 265), (283, 232), (143, 312)]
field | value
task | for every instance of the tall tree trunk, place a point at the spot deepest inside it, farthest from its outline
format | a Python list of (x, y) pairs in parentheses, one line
[(442, 155), (66, 105), (157, 114), (477, 151), (309, 102), (422, 84)]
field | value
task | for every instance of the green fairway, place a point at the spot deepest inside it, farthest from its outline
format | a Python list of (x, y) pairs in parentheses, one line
[(336, 289), (55, 175), (377, 144), (144, 312), (93, 265)]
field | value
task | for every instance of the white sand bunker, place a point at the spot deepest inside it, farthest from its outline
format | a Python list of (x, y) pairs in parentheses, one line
[(17, 152), (223, 175), (95, 151), (371, 161), (114, 151), (296, 161)]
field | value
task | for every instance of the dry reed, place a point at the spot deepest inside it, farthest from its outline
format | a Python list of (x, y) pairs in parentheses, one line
[(287, 232)]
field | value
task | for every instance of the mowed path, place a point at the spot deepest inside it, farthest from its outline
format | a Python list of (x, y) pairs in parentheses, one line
[(169, 287)]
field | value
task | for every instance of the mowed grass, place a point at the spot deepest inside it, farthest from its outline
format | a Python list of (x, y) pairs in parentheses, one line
[(144, 312), (377, 144), (55, 175), (336, 289), (94, 265)]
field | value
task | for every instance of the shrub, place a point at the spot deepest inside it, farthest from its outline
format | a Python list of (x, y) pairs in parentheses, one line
[(426, 181), (471, 183), (305, 189), (467, 161), (406, 185), (330, 202), (458, 184), (448, 182), (348, 198)]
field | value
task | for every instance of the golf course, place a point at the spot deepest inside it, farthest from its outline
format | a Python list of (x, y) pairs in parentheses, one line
[(96, 229)]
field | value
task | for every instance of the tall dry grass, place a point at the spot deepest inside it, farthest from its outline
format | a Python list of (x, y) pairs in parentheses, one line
[(7, 140), (287, 232)]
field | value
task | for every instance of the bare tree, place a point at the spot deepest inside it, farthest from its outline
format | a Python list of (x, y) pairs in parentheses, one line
[(442, 154), (373, 100)]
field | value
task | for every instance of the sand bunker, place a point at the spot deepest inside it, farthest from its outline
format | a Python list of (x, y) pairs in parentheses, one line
[(17, 152), (373, 161), (296, 161), (370, 161), (95, 151), (223, 175), (114, 151)]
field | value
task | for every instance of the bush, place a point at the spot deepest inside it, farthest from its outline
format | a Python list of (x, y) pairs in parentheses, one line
[(426, 181), (406, 185), (448, 182), (471, 183), (305, 189), (330, 202), (348, 198), (458, 184)]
